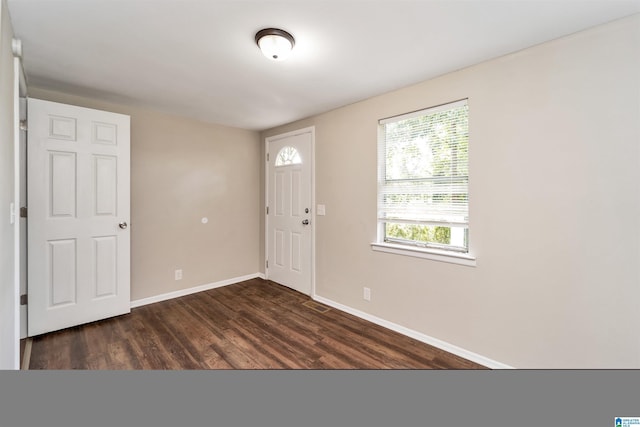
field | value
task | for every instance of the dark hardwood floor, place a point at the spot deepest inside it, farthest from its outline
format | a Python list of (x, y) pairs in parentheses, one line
[(255, 324)]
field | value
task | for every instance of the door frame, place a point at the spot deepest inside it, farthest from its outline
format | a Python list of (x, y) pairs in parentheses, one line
[(311, 130), (19, 170)]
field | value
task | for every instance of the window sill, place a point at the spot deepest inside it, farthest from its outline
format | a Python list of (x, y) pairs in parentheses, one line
[(432, 254)]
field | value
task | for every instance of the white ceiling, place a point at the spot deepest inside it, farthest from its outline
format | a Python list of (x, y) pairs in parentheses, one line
[(198, 58)]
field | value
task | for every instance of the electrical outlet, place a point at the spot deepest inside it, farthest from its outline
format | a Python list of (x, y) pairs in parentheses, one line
[(367, 294), (178, 274)]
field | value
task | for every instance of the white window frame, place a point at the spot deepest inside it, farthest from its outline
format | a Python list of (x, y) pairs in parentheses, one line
[(432, 253)]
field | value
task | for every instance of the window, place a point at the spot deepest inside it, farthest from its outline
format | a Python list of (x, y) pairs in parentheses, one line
[(288, 156), (423, 179)]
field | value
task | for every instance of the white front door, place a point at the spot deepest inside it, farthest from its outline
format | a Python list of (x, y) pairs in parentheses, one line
[(290, 216), (78, 214)]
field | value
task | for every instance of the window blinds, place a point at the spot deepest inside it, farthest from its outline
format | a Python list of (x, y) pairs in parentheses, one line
[(423, 167)]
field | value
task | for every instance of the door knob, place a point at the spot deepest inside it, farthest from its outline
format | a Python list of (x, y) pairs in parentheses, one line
[(123, 225), (305, 222)]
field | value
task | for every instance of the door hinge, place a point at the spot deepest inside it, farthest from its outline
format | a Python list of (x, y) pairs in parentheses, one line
[(267, 263), (267, 157), (267, 210), (23, 125), (24, 299), (23, 212)]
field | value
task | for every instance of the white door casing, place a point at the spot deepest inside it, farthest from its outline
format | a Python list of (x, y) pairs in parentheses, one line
[(290, 218), (78, 213), (19, 199), (20, 114)]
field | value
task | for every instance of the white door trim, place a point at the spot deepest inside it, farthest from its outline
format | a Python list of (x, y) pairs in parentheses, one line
[(19, 89), (311, 130)]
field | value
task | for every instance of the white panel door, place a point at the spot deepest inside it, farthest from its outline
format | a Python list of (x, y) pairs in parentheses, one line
[(289, 220), (78, 214)]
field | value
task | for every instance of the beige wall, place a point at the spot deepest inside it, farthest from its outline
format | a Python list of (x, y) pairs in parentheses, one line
[(181, 171), (554, 207), (8, 301)]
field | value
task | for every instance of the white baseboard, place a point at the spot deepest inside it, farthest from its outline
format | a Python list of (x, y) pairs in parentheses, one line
[(262, 276), (183, 292), (443, 345)]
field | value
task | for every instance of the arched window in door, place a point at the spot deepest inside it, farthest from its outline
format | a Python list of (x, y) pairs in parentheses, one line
[(288, 156)]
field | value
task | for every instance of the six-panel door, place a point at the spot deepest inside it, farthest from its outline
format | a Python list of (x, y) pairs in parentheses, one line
[(78, 207)]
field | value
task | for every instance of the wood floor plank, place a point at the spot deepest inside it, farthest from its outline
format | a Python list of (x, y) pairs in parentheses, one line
[(254, 324), (287, 350), (169, 345), (119, 356), (211, 359), (144, 346), (98, 362), (78, 346)]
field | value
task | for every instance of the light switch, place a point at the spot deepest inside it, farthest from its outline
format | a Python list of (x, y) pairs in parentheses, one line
[(320, 210)]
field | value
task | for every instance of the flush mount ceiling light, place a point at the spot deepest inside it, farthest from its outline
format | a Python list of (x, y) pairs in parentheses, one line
[(275, 44)]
